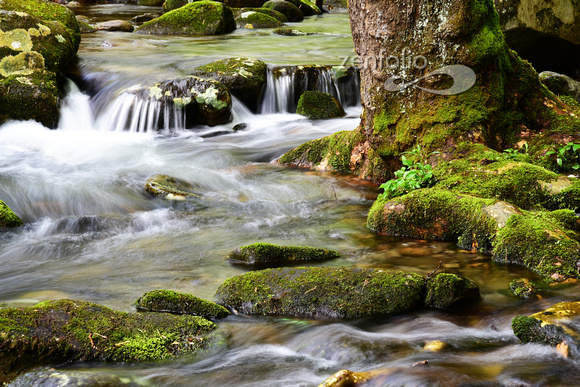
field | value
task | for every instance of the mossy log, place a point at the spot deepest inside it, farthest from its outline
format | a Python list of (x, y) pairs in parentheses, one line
[(54, 332)]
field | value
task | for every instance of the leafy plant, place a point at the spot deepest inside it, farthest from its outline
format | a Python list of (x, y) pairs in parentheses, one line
[(567, 157), (517, 154), (414, 174)]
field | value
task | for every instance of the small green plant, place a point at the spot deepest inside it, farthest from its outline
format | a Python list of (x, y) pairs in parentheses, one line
[(517, 154), (414, 174), (567, 157)]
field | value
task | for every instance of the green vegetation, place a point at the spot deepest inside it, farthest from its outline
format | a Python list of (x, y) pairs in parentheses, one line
[(319, 105), (567, 157), (266, 254), (7, 217), (170, 301), (448, 291)]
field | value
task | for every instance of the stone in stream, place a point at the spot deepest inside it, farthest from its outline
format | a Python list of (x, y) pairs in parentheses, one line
[(245, 78), (116, 25), (169, 301), (292, 13), (522, 287), (170, 188), (270, 255), (8, 218), (54, 332), (306, 7), (560, 84), (257, 19), (449, 291), (322, 292), (319, 105), (556, 326), (38, 40), (63, 378), (197, 18)]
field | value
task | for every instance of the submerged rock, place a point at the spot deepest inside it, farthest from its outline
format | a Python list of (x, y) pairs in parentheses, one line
[(8, 218), (292, 13), (38, 40), (319, 105), (448, 291), (169, 301), (197, 18), (245, 78), (269, 255), (170, 188), (54, 332), (555, 326), (322, 292), (561, 84)]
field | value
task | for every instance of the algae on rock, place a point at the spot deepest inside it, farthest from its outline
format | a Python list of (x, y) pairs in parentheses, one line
[(169, 301), (8, 218), (269, 255)]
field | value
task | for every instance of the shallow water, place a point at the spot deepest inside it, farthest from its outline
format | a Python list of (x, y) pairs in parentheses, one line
[(93, 234)]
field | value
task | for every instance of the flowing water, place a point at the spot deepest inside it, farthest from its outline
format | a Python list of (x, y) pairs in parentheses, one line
[(93, 234)]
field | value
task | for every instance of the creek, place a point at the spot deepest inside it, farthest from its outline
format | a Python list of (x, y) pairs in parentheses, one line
[(93, 234)]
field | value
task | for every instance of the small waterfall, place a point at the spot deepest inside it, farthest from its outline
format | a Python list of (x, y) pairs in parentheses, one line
[(285, 85)]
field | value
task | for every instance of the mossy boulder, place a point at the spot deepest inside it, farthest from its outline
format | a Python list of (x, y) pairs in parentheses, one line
[(245, 78), (8, 218), (197, 18), (557, 325), (319, 105), (169, 301), (561, 84), (448, 291), (306, 7), (187, 101), (266, 11), (54, 332), (292, 12), (255, 19), (171, 188), (322, 292), (522, 287), (38, 40), (270, 255)]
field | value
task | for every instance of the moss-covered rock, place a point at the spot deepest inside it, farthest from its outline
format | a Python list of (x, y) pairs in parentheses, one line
[(306, 7), (561, 84), (170, 5), (255, 19), (269, 255), (194, 100), (169, 301), (448, 291), (522, 287), (319, 105), (171, 188), (54, 332), (8, 218), (292, 12), (266, 11), (38, 40), (553, 326), (197, 18), (322, 292), (245, 78)]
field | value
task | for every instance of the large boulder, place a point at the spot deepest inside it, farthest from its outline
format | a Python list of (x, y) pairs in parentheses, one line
[(245, 78), (306, 7), (560, 84), (545, 33), (169, 301), (257, 19), (190, 100), (8, 218), (197, 18), (319, 105), (322, 292), (270, 255), (38, 40), (54, 332), (292, 12)]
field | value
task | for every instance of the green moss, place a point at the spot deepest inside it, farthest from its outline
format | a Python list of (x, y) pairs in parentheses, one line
[(322, 292), (531, 330), (319, 105), (266, 254), (448, 291), (522, 287), (67, 330), (170, 5), (8, 218), (170, 188), (180, 303), (256, 19), (197, 18)]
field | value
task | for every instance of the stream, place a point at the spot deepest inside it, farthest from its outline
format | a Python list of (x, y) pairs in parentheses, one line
[(93, 234)]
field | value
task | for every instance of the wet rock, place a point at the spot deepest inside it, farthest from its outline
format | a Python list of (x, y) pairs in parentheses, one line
[(292, 13), (256, 19), (151, 3), (116, 25), (171, 188), (522, 287), (8, 218), (245, 78), (345, 378), (54, 332), (169, 301), (85, 25), (306, 7), (555, 326), (322, 292), (191, 100), (240, 126), (266, 11), (60, 378), (285, 31), (269, 255), (145, 17), (38, 40), (547, 34), (448, 291), (435, 346), (197, 18), (319, 105), (561, 84)]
